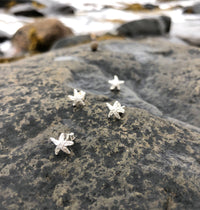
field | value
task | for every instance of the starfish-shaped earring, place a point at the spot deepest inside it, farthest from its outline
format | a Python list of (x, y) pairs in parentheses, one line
[(115, 109), (115, 83), (70, 136), (62, 143), (78, 97)]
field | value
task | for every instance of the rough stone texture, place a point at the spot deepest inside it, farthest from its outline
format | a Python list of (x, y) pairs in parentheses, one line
[(40, 35), (145, 27), (143, 161)]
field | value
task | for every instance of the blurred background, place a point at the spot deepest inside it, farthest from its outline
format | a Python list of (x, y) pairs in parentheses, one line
[(87, 19)]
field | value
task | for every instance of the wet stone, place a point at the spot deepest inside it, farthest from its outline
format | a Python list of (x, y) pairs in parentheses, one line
[(147, 160)]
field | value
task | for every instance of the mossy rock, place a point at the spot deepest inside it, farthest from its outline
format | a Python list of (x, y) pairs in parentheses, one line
[(140, 7), (40, 35)]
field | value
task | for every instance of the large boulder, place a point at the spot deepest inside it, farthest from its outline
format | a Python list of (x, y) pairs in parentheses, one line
[(145, 27), (40, 35), (147, 160)]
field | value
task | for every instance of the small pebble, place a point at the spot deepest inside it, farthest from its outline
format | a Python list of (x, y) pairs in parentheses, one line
[(94, 46)]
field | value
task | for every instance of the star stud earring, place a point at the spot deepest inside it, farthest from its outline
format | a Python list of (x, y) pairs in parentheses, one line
[(78, 97), (115, 109), (62, 142), (115, 83)]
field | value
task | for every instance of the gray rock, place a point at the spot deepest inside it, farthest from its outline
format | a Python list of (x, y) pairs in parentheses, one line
[(194, 41), (70, 41), (26, 10), (146, 27), (143, 161), (150, 6), (194, 9), (4, 36), (59, 9), (166, 23)]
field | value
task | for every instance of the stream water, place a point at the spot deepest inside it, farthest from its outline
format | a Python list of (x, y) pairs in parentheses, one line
[(104, 16)]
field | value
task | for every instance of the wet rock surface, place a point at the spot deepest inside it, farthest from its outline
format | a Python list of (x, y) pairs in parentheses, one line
[(143, 161)]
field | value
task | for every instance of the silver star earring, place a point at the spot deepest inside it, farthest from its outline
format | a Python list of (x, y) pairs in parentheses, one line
[(78, 97), (115, 83), (62, 142), (115, 109)]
